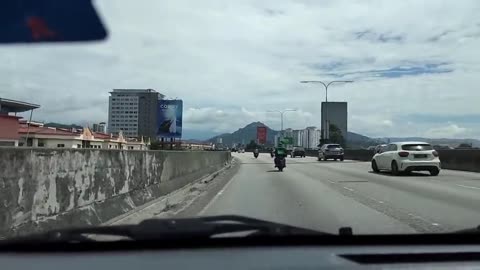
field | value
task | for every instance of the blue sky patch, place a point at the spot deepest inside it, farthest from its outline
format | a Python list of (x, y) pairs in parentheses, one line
[(399, 71)]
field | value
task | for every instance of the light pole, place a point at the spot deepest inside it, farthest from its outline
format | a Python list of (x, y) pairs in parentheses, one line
[(281, 117), (326, 134)]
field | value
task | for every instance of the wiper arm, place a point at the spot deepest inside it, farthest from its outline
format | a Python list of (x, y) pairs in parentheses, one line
[(168, 229)]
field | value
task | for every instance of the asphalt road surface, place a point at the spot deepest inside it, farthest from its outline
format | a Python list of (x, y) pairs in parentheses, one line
[(332, 194)]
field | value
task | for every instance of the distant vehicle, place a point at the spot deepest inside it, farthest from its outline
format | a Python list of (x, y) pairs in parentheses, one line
[(379, 148), (330, 151), (407, 157), (442, 147), (464, 146), (297, 152), (241, 150), (234, 149)]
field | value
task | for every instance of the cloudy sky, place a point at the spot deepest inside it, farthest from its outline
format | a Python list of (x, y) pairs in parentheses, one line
[(416, 64)]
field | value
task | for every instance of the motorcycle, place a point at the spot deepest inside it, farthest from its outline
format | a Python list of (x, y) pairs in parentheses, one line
[(280, 163), (255, 154)]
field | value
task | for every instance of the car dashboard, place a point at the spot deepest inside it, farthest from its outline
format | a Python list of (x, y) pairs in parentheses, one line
[(249, 257)]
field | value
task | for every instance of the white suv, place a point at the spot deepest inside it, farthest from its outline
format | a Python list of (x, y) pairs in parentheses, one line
[(407, 157)]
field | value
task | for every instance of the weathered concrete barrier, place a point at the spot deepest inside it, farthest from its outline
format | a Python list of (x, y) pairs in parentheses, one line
[(42, 189)]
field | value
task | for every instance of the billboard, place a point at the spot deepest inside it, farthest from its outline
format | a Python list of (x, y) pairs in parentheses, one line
[(169, 118), (262, 135)]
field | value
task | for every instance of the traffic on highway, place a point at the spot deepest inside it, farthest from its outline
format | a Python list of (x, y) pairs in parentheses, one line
[(327, 195)]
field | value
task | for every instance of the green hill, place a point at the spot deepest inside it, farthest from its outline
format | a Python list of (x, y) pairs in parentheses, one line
[(245, 135)]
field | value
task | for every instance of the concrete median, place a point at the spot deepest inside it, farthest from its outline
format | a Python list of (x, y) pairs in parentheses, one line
[(462, 160), (49, 188)]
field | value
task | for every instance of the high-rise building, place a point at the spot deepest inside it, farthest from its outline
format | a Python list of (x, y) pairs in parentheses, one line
[(296, 137), (100, 127), (308, 138), (337, 114), (134, 112)]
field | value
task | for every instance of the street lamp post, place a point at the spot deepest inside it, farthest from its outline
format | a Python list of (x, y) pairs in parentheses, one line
[(281, 117), (326, 132)]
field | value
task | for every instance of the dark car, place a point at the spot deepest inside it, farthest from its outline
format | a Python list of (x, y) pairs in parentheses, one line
[(297, 152), (330, 151)]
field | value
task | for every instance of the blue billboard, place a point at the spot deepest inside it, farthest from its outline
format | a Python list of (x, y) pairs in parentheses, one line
[(169, 118)]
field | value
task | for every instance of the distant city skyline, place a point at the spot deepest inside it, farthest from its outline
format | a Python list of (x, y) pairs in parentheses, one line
[(232, 75)]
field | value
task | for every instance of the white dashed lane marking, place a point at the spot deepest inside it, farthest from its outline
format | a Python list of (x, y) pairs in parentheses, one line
[(468, 186)]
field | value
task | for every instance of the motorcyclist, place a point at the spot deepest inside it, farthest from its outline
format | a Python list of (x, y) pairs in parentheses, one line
[(280, 152)]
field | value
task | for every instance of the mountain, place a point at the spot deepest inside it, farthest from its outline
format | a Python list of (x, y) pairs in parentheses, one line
[(245, 135), (200, 135), (249, 132), (355, 140), (439, 141)]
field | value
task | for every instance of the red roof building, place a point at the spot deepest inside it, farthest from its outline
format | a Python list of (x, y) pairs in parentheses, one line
[(9, 121)]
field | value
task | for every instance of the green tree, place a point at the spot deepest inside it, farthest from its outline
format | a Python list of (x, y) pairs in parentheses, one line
[(336, 135), (156, 145), (252, 145)]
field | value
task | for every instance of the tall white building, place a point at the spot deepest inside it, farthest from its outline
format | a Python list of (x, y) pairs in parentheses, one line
[(308, 138), (314, 136), (296, 138)]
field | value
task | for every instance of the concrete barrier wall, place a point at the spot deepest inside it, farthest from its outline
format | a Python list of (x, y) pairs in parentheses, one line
[(360, 154), (42, 189), (462, 160)]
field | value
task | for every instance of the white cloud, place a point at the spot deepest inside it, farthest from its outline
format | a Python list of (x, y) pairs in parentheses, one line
[(230, 61), (450, 131)]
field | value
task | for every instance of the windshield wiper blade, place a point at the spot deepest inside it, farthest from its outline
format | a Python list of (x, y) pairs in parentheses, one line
[(168, 229)]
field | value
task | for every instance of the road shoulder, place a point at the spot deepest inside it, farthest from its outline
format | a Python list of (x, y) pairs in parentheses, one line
[(185, 202)]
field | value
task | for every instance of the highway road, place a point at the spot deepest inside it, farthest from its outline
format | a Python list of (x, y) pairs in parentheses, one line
[(332, 194)]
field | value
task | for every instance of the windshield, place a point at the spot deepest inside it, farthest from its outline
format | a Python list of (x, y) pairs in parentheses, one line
[(417, 147), (333, 146), (214, 107)]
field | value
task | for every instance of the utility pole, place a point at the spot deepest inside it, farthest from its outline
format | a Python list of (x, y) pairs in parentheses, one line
[(325, 132), (281, 112)]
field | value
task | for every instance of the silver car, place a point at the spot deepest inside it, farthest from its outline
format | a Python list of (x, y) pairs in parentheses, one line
[(330, 151)]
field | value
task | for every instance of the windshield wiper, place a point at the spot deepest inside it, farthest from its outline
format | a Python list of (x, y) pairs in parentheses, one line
[(168, 229)]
